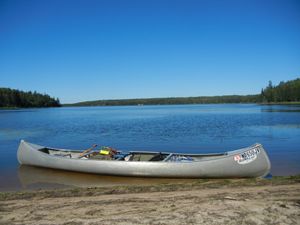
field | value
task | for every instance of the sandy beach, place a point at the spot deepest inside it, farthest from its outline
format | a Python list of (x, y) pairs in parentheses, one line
[(244, 201)]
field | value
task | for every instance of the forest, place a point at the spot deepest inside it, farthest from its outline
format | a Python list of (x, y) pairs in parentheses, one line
[(12, 98), (175, 100), (284, 92)]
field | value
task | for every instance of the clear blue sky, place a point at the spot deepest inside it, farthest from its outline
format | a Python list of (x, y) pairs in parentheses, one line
[(116, 49)]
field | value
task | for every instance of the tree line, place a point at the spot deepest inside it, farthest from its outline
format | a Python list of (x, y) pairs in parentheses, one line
[(171, 101), (284, 92), (10, 98), (288, 91)]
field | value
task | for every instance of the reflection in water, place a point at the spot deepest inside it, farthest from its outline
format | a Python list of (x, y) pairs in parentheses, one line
[(281, 108), (36, 177)]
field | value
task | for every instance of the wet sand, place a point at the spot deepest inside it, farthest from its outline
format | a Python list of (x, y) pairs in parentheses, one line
[(243, 201)]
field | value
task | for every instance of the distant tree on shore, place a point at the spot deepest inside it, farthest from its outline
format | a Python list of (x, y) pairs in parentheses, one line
[(16, 98), (284, 92), (172, 101), (288, 91)]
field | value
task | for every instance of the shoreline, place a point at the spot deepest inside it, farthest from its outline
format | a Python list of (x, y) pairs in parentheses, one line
[(163, 187), (205, 201), (71, 105)]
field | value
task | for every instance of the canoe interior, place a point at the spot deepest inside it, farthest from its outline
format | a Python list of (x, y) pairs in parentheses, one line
[(133, 155)]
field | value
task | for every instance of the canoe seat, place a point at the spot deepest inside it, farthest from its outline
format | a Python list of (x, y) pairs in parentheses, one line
[(63, 155), (157, 157)]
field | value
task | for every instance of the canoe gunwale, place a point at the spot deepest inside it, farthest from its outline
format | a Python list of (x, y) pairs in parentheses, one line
[(207, 157)]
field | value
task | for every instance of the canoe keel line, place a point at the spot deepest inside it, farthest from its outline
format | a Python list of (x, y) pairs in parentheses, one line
[(252, 161)]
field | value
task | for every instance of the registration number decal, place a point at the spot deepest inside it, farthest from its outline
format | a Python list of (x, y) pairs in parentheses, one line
[(247, 157)]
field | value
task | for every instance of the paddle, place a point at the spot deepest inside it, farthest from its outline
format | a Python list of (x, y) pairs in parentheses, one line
[(88, 150)]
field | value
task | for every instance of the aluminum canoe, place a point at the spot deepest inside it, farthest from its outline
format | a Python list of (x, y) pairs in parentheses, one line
[(251, 161)]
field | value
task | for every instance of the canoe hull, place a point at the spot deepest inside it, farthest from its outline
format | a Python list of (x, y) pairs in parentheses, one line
[(227, 166)]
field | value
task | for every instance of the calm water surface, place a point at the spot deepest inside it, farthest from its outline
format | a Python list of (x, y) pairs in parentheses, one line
[(178, 128)]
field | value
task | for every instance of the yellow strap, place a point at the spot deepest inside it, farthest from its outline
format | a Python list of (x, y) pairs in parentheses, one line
[(104, 152)]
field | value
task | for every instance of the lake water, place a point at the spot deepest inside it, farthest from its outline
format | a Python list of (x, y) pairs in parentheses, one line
[(178, 128)]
